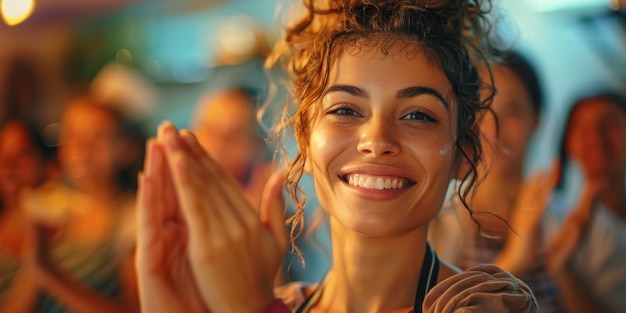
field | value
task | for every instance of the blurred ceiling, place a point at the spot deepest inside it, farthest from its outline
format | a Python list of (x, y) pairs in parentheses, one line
[(53, 11), (50, 11), (47, 11)]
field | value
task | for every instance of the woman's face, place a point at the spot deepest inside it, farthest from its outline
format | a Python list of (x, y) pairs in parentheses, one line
[(21, 165), (382, 147), (505, 148), (226, 129), (88, 149), (596, 138)]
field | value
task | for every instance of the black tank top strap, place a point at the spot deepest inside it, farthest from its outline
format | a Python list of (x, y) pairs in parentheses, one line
[(304, 307), (428, 279)]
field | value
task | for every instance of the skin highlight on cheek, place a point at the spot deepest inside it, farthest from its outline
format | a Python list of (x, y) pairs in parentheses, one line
[(445, 150)]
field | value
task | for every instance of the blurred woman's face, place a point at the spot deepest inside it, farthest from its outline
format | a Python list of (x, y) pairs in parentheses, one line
[(226, 129), (88, 145), (21, 165), (505, 148), (596, 138)]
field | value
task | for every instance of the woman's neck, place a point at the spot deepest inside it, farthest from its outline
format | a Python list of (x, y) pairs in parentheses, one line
[(373, 274)]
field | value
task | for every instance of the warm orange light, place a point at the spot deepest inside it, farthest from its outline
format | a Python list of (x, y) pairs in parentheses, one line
[(16, 11)]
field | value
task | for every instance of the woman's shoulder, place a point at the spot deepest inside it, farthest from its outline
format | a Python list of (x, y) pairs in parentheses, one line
[(485, 287), (294, 294)]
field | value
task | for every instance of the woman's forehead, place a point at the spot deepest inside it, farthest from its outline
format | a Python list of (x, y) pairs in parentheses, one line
[(395, 66)]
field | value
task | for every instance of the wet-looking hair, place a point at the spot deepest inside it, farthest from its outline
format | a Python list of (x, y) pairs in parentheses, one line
[(447, 31)]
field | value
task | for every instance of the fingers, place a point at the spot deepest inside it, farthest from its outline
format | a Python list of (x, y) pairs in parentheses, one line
[(192, 143), (183, 177), (210, 198), (148, 210), (145, 218), (229, 246), (168, 191), (273, 208)]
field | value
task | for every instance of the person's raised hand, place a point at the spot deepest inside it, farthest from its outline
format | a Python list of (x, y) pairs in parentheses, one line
[(564, 243), (520, 252), (532, 200), (234, 253), (166, 281)]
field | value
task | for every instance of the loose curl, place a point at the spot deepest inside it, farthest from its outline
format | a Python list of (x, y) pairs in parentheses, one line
[(447, 31)]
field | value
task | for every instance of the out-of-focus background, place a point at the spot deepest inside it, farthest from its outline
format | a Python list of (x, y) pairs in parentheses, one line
[(178, 47), (173, 46), (161, 56)]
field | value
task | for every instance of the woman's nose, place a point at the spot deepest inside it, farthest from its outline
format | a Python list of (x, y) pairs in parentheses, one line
[(378, 139)]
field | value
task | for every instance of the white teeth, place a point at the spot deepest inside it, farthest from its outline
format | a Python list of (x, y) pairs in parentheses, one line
[(388, 183), (369, 183), (380, 184), (373, 182)]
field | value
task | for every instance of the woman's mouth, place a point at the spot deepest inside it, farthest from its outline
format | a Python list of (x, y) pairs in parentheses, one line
[(377, 182)]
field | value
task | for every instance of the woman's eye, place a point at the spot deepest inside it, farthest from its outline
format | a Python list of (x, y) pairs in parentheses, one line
[(343, 111), (419, 117)]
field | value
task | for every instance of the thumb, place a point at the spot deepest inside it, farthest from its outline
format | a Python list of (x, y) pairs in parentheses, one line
[(273, 208)]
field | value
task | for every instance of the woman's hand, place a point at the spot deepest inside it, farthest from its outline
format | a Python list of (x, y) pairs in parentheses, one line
[(234, 254), (482, 288), (564, 243), (38, 243), (520, 251), (166, 281), (532, 200)]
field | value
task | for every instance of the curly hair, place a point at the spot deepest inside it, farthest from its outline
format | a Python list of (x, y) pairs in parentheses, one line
[(447, 31)]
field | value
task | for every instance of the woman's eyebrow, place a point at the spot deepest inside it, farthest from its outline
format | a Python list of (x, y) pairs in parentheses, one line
[(352, 90), (408, 92), (415, 91)]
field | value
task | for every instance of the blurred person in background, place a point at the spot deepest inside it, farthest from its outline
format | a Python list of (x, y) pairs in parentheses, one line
[(25, 162), (587, 254), (508, 206), (226, 126), (81, 248)]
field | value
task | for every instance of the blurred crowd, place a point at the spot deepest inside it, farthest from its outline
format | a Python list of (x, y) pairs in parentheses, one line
[(67, 195)]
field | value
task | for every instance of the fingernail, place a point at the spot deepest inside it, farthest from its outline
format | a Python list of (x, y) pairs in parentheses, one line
[(188, 136), (163, 127), (170, 137)]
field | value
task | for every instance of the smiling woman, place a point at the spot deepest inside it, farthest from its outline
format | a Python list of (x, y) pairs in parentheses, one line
[(386, 99), (374, 124)]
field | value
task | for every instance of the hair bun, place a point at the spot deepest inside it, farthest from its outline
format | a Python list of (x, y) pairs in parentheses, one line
[(466, 17)]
